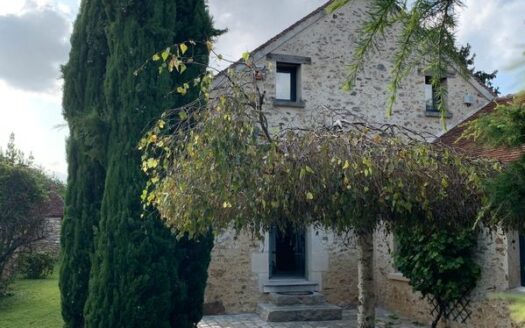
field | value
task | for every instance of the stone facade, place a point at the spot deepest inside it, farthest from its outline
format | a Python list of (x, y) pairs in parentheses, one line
[(324, 44)]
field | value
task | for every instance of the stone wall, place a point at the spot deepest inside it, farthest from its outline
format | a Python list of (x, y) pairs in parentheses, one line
[(329, 41), (232, 285), (51, 241)]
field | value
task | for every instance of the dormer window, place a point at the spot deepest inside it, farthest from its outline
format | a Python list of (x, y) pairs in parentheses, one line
[(286, 82)]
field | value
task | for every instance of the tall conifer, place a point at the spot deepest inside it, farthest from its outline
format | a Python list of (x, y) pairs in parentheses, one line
[(140, 272), (83, 104)]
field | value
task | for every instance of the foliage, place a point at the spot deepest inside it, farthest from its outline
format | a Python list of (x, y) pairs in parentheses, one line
[(13, 155), (224, 172), (507, 195), (33, 303), (482, 76), (146, 285), (84, 104), (37, 265), (503, 127), (427, 38), (439, 263), (22, 197)]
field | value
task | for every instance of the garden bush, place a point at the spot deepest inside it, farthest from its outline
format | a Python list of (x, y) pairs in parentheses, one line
[(37, 265)]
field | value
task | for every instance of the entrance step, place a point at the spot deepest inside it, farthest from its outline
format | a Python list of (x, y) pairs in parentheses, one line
[(293, 298), (289, 285), (299, 312)]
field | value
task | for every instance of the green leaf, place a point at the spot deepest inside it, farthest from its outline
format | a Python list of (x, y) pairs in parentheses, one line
[(183, 115), (155, 57)]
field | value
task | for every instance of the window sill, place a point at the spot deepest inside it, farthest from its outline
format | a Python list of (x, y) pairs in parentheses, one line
[(288, 103), (398, 276), (437, 114)]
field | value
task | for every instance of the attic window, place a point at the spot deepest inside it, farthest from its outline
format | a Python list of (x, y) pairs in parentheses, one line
[(432, 98), (286, 82)]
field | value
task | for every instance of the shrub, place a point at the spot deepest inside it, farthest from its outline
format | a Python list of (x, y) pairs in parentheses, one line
[(440, 264), (37, 265)]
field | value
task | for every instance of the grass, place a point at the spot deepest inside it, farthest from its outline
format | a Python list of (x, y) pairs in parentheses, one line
[(33, 303)]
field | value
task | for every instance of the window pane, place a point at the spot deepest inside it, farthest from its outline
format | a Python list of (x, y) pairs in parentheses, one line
[(283, 86), (429, 99)]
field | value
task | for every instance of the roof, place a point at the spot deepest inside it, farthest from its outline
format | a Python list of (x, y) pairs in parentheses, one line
[(473, 148), (54, 206)]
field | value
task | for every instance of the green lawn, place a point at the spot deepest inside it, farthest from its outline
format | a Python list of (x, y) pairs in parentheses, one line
[(34, 303)]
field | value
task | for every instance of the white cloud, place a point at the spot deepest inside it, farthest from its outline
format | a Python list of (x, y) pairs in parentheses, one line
[(495, 30), (33, 45), (250, 23), (34, 118)]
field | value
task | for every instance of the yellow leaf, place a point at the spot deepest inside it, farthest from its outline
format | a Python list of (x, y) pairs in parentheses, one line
[(152, 163), (209, 44), (246, 56), (309, 196), (347, 165), (165, 54), (183, 48), (226, 205)]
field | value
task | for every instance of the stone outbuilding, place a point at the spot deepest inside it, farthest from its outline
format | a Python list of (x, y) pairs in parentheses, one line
[(53, 215)]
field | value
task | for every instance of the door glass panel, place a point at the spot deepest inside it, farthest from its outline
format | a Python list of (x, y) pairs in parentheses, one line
[(287, 253)]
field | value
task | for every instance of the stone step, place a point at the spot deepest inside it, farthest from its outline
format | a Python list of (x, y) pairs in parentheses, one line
[(290, 285), (299, 312), (292, 298)]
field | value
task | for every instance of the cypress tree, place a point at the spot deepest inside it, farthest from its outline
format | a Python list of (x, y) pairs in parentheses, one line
[(83, 104), (140, 275)]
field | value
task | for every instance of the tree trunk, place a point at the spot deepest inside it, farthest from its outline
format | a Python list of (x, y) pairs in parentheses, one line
[(365, 275)]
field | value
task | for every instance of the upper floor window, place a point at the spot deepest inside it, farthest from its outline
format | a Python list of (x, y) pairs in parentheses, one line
[(432, 97), (286, 82)]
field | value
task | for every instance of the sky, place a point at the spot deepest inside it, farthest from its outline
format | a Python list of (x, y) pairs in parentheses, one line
[(34, 42)]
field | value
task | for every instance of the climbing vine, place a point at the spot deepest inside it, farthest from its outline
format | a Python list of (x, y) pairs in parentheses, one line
[(440, 264)]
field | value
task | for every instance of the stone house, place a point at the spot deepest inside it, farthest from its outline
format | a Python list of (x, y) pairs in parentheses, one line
[(302, 71)]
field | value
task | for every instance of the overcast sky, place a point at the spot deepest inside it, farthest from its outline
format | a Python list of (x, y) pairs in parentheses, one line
[(34, 42)]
